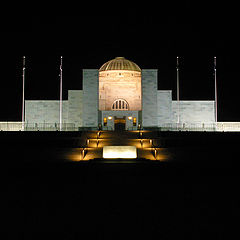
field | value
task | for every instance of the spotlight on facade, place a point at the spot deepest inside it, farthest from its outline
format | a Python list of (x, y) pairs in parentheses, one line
[(109, 118), (129, 118)]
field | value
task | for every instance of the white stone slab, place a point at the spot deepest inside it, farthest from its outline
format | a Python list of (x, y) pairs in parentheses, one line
[(119, 152)]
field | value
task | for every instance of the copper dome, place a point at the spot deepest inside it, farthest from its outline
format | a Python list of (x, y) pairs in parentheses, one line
[(120, 63)]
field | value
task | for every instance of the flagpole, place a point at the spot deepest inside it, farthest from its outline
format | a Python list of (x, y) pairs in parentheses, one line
[(23, 94), (178, 117), (60, 110), (215, 79)]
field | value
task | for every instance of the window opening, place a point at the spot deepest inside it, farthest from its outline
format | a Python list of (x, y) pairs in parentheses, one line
[(120, 104)]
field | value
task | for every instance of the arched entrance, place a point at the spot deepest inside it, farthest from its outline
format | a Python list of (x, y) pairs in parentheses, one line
[(119, 123)]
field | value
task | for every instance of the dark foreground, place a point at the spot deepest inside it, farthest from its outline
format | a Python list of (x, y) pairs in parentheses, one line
[(193, 196)]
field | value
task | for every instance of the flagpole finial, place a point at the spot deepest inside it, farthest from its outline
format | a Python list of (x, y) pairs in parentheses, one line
[(177, 62)]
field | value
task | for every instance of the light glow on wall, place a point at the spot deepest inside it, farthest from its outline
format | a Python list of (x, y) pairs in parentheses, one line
[(134, 121), (105, 121), (119, 152)]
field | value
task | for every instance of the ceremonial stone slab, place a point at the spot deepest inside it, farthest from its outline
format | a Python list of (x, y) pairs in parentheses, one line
[(119, 152)]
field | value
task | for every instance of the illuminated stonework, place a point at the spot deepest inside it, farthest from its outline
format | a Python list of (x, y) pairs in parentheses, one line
[(119, 95), (119, 152), (120, 79)]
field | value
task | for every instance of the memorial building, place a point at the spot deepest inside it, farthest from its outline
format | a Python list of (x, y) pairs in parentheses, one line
[(120, 95)]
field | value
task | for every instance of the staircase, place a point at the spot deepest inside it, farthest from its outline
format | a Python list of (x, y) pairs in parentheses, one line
[(148, 144)]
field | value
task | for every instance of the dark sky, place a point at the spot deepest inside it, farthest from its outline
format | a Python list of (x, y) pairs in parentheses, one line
[(150, 35)]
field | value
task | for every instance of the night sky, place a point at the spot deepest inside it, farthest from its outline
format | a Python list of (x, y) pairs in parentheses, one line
[(149, 35)]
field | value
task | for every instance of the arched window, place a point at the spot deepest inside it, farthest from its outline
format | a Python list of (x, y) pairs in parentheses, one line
[(120, 104)]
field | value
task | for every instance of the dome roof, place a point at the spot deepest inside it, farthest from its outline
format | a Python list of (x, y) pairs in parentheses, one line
[(120, 63)]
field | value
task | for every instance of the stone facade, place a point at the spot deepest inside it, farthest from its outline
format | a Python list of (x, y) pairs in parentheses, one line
[(75, 107), (149, 98), (90, 97), (120, 114), (164, 106), (149, 106), (194, 111), (45, 111), (120, 84)]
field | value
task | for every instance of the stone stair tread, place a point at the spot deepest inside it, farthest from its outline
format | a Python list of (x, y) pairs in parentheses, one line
[(144, 147)]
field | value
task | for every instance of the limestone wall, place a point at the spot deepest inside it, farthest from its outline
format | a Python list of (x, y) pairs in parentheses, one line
[(149, 98), (75, 107), (45, 111), (164, 106), (90, 97), (194, 111), (119, 84)]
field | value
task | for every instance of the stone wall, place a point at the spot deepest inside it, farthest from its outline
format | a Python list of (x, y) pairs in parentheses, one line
[(149, 98), (119, 84), (45, 111), (90, 98), (194, 111), (82, 106), (75, 107), (164, 106)]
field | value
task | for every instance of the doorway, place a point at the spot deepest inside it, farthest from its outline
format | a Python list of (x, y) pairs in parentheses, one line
[(119, 124)]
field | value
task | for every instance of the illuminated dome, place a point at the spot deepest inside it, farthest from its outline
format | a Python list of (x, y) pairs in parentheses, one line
[(120, 63)]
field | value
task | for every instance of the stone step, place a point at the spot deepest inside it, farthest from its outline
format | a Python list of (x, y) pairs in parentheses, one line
[(161, 154), (93, 153), (123, 134), (139, 143), (115, 142)]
